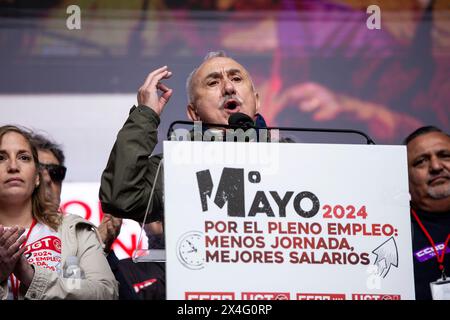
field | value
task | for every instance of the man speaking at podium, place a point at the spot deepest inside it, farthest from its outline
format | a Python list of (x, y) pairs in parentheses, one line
[(218, 88)]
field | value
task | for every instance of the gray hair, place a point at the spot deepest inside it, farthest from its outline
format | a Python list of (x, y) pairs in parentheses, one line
[(209, 55)]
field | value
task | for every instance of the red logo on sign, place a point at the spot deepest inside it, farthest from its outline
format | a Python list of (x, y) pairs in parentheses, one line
[(320, 296), (209, 295), (265, 296), (364, 296)]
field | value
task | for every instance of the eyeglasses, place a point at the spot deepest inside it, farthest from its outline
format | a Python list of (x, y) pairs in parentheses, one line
[(56, 172)]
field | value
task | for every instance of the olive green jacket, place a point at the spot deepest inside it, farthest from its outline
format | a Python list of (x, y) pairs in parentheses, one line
[(130, 173)]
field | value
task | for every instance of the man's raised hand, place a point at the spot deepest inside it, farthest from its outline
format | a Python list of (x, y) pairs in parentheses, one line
[(148, 93)]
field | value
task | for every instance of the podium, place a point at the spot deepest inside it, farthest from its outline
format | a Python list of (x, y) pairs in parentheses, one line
[(258, 221)]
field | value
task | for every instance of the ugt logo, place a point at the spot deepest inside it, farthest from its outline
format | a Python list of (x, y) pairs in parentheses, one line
[(231, 191)]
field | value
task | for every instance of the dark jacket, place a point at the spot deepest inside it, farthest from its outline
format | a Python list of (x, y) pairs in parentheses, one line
[(426, 268)]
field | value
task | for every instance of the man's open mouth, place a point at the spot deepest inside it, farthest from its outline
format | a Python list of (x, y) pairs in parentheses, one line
[(231, 105)]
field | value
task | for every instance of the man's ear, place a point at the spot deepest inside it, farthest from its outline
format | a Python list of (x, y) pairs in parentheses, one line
[(257, 102), (192, 113)]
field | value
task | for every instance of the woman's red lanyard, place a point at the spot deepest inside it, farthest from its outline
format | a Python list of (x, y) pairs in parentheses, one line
[(440, 258), (15, 283)]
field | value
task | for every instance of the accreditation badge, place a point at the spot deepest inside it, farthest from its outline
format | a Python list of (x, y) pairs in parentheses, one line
[(440, 289)]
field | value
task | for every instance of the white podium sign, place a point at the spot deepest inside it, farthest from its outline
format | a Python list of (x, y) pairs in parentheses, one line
[(287, 221)]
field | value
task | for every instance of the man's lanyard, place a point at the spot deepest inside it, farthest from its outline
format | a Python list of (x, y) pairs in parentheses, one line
[(440, 258), (15, 283)]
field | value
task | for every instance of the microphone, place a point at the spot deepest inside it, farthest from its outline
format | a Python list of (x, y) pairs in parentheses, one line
[(241, 120), (244, 122)]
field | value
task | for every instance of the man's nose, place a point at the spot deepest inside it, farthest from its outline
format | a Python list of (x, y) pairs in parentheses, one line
[(435, 164), (46, 177), (228, 87)]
